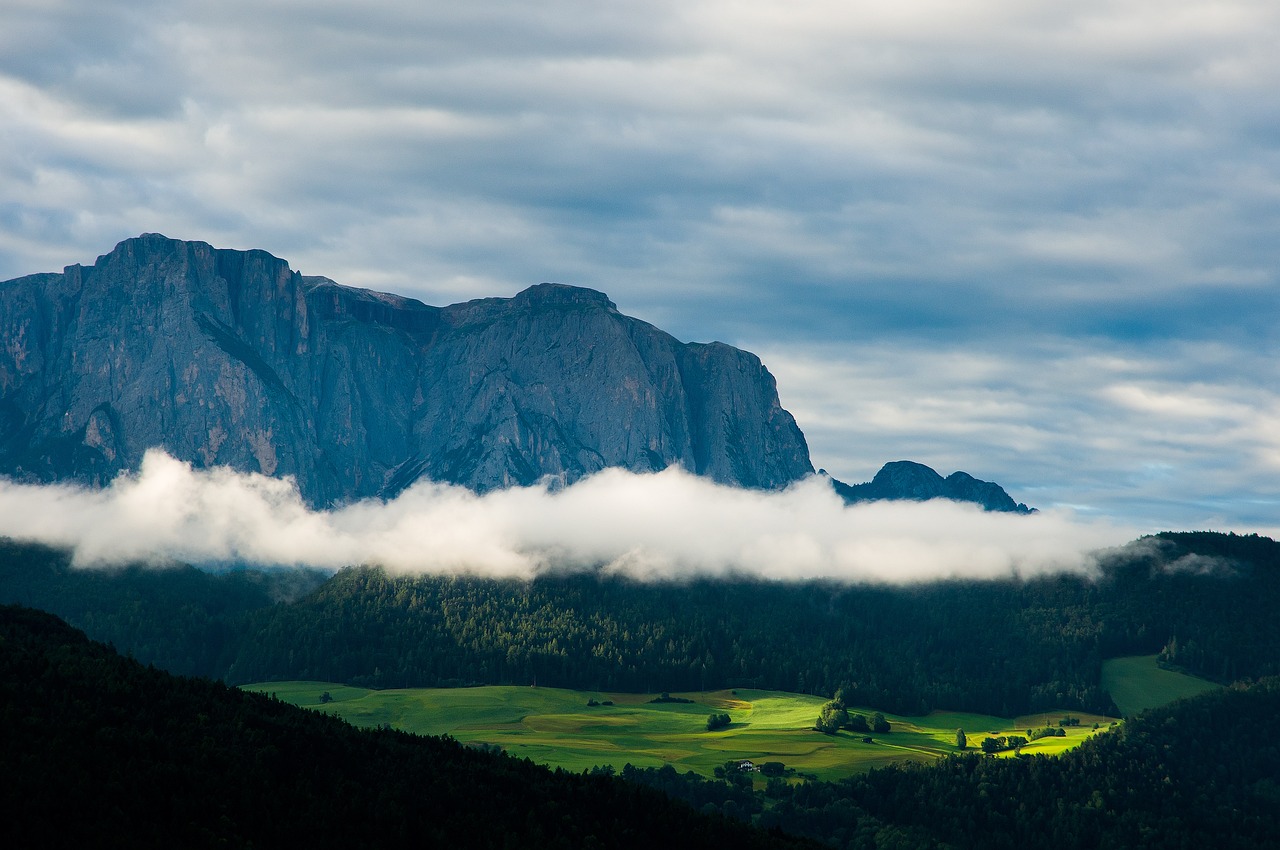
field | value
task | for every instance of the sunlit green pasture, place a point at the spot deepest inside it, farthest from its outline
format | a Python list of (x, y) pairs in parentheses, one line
[(555, 727), (1137, 683)]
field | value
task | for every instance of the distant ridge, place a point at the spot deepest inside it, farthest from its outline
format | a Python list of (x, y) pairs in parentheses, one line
[(905, 479)]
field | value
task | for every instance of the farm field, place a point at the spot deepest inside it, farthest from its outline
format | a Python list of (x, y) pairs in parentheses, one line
[(557, 728), (1137, 683)]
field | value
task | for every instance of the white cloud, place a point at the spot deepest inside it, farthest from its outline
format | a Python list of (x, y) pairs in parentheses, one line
[(670, 525), (985, 135)]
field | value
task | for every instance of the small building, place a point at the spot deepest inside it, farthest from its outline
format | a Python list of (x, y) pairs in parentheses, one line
[(748, 766)]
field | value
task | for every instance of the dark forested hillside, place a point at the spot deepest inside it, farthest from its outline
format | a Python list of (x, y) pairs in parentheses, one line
[(180, 618), (143, 758), (100, 751), (979, 646), (1000, 647), (1205, 601)]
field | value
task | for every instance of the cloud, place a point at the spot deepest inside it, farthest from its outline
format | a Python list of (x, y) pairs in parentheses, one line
[(665, 526), (995, 180), (975, 164)]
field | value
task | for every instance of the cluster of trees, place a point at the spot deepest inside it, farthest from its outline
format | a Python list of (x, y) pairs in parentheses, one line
[(1047, 732), (997, 647), (835, 715), (1003, 742), (718, 721)]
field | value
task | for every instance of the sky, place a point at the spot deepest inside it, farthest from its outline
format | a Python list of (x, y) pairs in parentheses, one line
[(1035, 241)]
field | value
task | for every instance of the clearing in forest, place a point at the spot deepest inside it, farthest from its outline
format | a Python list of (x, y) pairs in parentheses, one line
[(1138, 683), (558, 728)]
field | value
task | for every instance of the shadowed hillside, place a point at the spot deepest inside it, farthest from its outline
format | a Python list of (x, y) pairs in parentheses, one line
[(103, 752)]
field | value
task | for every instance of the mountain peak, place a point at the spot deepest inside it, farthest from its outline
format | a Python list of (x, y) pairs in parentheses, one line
[(152, 242), (560, 294), (908, 480), (909, 476)]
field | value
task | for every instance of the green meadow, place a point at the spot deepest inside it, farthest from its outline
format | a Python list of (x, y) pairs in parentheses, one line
[(1137, 683), (557, 728)]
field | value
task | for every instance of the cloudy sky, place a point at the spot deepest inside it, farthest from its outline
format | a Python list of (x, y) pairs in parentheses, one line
[(1033, 240)]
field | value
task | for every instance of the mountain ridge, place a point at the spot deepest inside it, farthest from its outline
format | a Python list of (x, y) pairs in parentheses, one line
[(231, 358)]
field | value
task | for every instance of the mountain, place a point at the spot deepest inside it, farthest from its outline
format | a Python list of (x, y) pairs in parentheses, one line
[(904, 479), (230, 358)]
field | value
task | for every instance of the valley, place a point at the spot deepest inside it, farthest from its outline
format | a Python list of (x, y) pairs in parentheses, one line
[(558, 727), (453, 659)]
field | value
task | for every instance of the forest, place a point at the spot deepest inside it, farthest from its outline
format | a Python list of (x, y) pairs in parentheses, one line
[(147, 759), (1204, 601)]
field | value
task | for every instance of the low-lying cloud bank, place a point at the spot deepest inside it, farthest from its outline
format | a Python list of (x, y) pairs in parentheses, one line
[(667, 525)]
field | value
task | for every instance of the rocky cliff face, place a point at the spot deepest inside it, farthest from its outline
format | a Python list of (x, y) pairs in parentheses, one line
[(905, 479), (230, 358)]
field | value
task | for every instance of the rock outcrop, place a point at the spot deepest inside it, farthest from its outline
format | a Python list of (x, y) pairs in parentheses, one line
[(905, 479), (230, 358)]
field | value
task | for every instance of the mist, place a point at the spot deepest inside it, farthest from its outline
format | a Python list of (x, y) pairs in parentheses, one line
[(669, 525)]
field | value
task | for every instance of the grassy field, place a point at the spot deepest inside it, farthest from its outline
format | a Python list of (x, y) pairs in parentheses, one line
[(1137, 683), (556, 727)]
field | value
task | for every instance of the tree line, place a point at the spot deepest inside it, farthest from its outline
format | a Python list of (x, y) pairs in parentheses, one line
[(999, 647)]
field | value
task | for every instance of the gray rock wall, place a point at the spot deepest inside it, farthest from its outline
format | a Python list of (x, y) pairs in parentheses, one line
[(230, 358)]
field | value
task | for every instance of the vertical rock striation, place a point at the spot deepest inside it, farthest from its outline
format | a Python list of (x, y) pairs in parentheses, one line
[(230, 358)]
